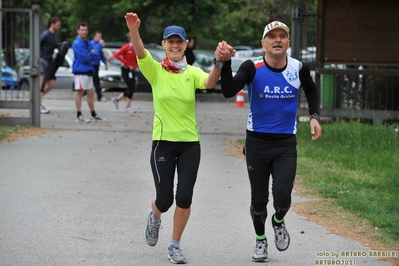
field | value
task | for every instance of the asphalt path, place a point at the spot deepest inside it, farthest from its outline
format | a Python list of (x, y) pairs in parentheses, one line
[(79, 193)]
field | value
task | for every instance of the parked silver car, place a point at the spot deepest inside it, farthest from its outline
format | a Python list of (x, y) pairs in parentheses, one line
[(109, 79)]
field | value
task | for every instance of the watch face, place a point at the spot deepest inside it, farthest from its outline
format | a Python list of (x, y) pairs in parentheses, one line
[(219, 64)]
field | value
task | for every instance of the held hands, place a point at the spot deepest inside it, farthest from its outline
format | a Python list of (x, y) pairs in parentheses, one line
[(315, 129), (224, 51), (132, 21)]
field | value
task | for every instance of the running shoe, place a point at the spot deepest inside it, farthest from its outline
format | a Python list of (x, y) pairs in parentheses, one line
[(81, 119), (282, 238), (44, 110), (116, 102), (175, 255), (130, 110), (260, 253), (96, 118), (151, 230)]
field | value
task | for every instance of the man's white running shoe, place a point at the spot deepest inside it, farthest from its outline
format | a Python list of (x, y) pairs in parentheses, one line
[(129, 110), (81, 119), (282, 238), (96, 118), (43, 110), (260, 254)]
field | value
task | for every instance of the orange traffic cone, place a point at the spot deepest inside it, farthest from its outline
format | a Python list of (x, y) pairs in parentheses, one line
[(240, 100)]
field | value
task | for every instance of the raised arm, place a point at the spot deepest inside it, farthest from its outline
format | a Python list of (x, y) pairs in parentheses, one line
[(133, 23)]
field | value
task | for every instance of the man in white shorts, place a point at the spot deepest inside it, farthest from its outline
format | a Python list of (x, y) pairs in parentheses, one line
[(83, 70)]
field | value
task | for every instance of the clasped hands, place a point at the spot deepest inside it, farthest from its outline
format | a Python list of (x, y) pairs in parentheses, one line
[(224, 51)]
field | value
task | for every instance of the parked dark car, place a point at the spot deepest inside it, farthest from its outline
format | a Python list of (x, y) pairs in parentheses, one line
[(203, 59)]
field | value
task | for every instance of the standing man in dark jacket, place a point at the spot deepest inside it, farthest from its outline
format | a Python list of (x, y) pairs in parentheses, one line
[(98, 57), (273, 83), (83, 70)]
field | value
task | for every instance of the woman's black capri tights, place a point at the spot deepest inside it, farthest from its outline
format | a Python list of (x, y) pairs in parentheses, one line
[(167, 158)]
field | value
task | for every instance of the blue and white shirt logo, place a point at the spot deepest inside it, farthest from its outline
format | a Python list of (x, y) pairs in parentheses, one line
[(291, 76)]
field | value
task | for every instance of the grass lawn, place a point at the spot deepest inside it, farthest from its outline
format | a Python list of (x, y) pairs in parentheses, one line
[(355, 165), (14, 132), (6, 131)]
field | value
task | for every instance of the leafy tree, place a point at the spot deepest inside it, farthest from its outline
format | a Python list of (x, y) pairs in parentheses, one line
[(236, 21), (210, 21)]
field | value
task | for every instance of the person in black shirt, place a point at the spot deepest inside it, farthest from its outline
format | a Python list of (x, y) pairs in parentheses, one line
[(48, 42), (189, 52)]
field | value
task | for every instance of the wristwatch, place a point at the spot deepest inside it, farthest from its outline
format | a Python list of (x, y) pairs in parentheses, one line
[(314, 116), (218, 64)]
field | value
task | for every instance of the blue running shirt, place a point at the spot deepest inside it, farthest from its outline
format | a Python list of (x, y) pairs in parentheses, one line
[(273, 98)]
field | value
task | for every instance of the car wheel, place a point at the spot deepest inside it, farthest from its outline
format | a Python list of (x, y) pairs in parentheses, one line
[(23, 85)]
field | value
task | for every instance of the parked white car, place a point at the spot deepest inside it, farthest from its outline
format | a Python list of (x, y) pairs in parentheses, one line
[(109, 79)]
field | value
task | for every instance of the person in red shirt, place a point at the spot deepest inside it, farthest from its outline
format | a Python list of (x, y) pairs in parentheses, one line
[(127, 56)]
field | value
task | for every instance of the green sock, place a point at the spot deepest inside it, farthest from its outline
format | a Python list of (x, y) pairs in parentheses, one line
[(262, 237), (276, 221)]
